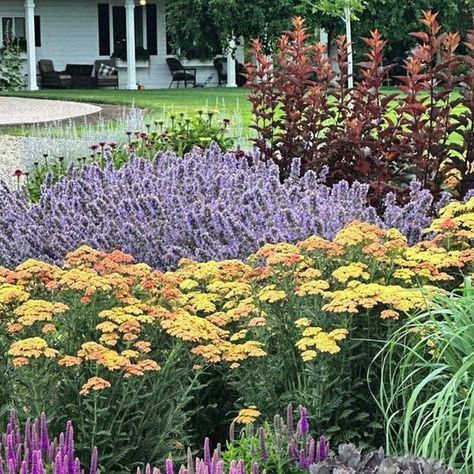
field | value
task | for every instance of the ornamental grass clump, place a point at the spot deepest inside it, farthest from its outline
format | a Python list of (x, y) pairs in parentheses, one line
[(33, 451), (427, 383), (207, 205)]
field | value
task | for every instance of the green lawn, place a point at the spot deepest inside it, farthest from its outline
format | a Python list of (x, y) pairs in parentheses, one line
[(227, 101)]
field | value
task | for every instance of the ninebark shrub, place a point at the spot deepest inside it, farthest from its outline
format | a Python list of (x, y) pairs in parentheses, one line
[(424, 130)]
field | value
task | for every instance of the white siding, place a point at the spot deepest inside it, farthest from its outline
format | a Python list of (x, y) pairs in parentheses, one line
[(69, 34)]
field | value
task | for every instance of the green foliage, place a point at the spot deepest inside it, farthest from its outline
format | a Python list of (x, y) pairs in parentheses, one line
[(395, 20), (427, 383), (248, 446), (11, 77), (202, 29), (336, 7)]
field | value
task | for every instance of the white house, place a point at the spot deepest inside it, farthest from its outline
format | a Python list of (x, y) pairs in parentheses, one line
[(82, 31)]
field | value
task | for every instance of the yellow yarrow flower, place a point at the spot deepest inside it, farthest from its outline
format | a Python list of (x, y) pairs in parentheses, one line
[(31, 347), (269, 294), (247, 415), (354, 270), (303, 322), (12, 293)]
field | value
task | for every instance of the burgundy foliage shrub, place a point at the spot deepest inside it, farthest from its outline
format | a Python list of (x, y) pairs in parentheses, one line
[(303, 109)]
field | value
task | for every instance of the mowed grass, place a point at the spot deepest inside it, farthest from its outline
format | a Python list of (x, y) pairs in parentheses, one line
[(156, 102), (230, 102)]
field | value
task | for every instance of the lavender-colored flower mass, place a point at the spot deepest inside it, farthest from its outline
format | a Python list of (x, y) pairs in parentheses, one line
[(207, 205), (32, 451)]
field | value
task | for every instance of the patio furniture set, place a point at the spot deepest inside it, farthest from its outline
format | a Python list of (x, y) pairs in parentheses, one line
[(104, 73)]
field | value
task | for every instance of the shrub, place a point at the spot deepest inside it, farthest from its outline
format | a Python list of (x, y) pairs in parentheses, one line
[(11, 77), (303, 109), (207, 205)]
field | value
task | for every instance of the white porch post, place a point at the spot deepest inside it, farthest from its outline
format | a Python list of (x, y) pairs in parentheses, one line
[(131, 63), (231, 77), (323, 38), (30, 44), (350, 57)]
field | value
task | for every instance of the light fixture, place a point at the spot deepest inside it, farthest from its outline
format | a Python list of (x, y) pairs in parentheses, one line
[(142, 3)]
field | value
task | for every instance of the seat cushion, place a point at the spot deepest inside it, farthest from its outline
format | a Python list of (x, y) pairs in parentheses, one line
[(106, 70), (183, 76)]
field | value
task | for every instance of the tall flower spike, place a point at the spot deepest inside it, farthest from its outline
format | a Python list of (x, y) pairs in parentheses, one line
[(169, 466), (304, 421), (207, 453), (289, 419), (58, 464), (94, 461), (44, 434), (232, 432), (263, 444), (190, 461), (255, 468), (148, 469)]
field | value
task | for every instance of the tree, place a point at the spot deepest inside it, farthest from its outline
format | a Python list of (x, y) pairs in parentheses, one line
[(202, 28), (345, 9), (395, 19)]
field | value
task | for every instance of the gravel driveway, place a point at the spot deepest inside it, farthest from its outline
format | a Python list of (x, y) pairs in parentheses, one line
[(10, 158)]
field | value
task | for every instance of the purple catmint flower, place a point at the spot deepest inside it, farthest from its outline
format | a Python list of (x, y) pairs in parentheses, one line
[(206, 205)]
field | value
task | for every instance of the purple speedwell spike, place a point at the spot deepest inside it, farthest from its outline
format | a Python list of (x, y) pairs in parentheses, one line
[(303, 424), (32, 452)]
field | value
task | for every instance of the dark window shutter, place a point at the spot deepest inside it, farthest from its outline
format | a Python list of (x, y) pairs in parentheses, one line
[(151, 27), (104, 29), (37, 31)]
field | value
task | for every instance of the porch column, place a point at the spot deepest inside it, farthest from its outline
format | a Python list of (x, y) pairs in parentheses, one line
[(231, 63), (131, 63), (30, 44)]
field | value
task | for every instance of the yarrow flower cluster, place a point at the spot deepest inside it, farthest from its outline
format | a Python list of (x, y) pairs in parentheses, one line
[(207, 205)]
